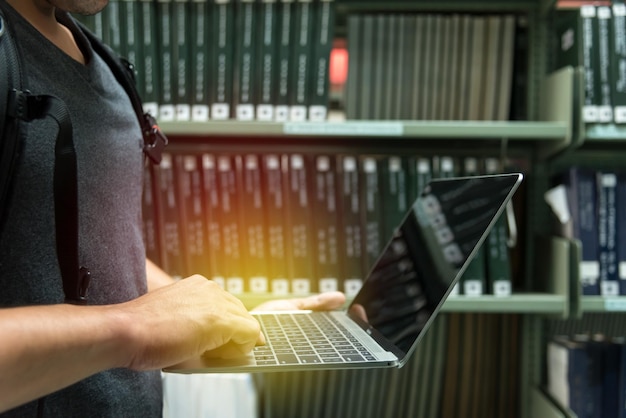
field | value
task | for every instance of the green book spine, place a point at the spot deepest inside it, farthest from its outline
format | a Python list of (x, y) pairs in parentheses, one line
[(497, 250), (149, 67), (113, 29), (254, 232), (286, 26), (371, 211), (169, 218), (618, 62), (245, 59), (267, 56), (223, 60), (190, 199), (300, 254), (275, 222), (300, 60), (229, 169), (326, 226), (181, 77), (200, 60), (166, 59), (473, 281), (603, 72), (350, 221), (131, 42), (575, 47), (211, 206), (324, 24), (394, 190), (150, 220)]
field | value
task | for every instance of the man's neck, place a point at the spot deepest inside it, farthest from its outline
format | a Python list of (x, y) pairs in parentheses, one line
[(41, 15)]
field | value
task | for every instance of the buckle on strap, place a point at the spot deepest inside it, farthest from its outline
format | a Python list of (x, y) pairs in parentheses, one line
[(154, 139), (26, 106)]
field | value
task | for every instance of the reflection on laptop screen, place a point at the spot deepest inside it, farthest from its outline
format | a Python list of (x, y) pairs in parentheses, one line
[(426, 256)]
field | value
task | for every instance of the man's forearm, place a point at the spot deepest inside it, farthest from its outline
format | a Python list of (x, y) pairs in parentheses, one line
[(46, 348)]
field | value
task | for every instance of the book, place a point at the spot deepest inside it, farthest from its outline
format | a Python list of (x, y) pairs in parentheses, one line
[(149, 215), (574, 46), (268, 63), (169, 218), (505, 67), (350, 223), (353, 83), (130, 33), (365, 68), (222, 62), (371, 211), (603, 64), (499, 274), (326, 222), (181, 68), (190, 201), (199, 60), (621, 230), (299, 232), (394, 193), (275, 222), (474, 279), (166, 59), (476, 97), (607, 234), (618, 61), (229, 169), (568, 367), (149, 68), (581, 190), (322, 43), (300, 63), (253, 234), (286, 27), (211, 207), (245, 60)]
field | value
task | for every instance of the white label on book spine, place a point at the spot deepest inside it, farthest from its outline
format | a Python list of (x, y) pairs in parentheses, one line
[(502, 288), (183, 112), (347, 128), (609, 288), (280, 287), (259, 285), (200, 113), (301, 286), (328, 284), (265, 113), (245, 112), (220, 111), (167, 113), (351, 287), (472, 288), (234, 285)]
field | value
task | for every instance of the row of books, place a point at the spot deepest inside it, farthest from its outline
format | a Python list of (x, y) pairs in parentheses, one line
[(230, 59), (294, 223), (429, 66), (593, 36), (587, 375), (596, 215)]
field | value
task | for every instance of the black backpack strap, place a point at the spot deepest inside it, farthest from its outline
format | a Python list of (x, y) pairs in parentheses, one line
[(154, 140), (21, 105)]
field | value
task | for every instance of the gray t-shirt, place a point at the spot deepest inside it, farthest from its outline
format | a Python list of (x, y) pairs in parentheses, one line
[(110, 164)]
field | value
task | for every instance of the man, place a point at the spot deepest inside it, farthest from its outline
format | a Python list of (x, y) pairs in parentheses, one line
[(103, 359)]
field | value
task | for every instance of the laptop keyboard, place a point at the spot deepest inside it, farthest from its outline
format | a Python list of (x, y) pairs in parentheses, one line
[(311, 338)]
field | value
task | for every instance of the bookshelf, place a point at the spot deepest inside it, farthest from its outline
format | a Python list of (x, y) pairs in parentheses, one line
[(548, 136)]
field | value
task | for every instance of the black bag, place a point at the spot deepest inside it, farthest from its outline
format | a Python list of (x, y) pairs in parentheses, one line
[(17, 106)]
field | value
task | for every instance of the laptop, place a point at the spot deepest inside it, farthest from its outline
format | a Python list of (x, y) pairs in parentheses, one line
[(400, 297)]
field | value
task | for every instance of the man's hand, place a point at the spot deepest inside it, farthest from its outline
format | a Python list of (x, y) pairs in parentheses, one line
[(187, 319), (323, 302)]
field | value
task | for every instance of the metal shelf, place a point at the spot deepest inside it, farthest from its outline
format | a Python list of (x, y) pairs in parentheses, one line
[(512, 130), (537, 303), (603, 304)]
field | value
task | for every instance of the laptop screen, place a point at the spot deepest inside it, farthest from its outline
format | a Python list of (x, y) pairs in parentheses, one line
[(426, 256)]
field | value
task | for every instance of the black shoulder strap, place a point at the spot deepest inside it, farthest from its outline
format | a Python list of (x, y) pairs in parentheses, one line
[(20, 105), (154, 140)]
